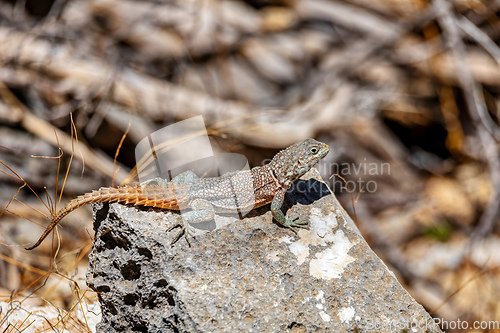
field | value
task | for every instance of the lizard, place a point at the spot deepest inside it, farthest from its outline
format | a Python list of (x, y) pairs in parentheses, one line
[(232, 192)]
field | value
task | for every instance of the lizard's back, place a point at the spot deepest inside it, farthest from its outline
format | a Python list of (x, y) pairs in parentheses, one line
[(235, 191)]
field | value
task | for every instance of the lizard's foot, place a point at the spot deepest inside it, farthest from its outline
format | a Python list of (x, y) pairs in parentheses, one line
[(186, 230), (201, 211), (292, 223)]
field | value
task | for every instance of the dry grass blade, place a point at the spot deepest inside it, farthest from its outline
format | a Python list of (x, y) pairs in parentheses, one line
[(24, 184)]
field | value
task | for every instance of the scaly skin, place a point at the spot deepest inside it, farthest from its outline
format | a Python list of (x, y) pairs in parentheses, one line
[(261, 185)]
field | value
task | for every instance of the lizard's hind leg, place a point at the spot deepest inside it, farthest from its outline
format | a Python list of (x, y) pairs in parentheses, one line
[(201, 211)]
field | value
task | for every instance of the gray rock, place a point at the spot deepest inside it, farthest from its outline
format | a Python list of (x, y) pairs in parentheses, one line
[(247, 276)]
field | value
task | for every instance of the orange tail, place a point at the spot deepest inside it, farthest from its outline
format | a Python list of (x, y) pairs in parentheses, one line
[(157, 196)]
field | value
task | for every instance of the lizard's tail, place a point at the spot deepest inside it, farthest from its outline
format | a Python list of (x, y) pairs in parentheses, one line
[(156, 197)]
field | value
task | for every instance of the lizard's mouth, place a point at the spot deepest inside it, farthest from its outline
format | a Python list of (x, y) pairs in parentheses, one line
[(324, 151)]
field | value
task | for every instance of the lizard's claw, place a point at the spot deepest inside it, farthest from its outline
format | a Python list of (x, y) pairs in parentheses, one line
[(186, 230), (291, 224)]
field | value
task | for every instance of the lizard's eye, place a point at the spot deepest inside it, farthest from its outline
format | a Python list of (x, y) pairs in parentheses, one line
[(314, 150)]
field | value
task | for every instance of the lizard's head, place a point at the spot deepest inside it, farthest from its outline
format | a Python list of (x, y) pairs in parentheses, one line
[(291, 163)]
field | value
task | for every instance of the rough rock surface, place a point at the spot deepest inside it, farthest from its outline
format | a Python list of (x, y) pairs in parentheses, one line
[(250, 275)]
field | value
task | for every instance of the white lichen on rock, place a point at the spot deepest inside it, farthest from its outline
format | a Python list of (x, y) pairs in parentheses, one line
[(346, 314), (330, 262)]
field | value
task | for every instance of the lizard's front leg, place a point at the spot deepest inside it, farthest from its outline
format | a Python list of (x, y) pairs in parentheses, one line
[(278, 215), (202, 211)]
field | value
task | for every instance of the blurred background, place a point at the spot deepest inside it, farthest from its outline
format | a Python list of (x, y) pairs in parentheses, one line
[(405, 92)]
